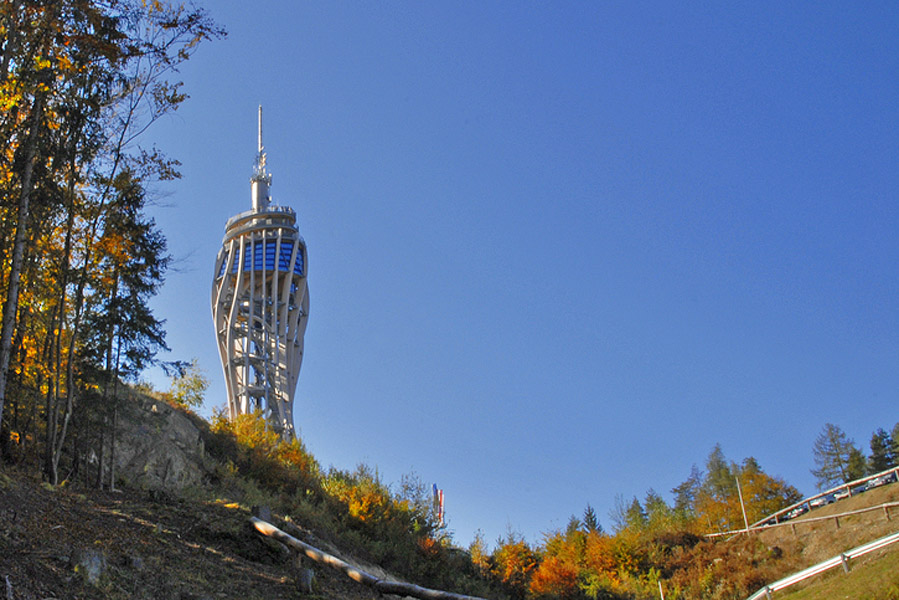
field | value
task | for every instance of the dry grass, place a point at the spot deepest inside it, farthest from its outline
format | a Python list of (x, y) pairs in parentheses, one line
[(822, 540), (873, 577), (158, 548)]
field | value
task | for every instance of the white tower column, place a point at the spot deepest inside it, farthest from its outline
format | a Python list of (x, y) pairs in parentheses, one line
[(260, 304)]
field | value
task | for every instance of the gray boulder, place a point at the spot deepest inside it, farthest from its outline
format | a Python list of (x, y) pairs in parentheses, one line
[(157, 446)]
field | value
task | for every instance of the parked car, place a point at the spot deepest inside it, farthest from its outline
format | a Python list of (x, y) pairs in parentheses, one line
[(879, 481), (819, 501), (799, 510), (840, 494)]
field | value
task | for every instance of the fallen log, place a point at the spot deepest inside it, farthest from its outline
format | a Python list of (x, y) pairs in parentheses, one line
[(384, 587)]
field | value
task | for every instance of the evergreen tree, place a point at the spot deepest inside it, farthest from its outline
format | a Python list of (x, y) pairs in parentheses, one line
[(636, 515), (882, 457), (686, 493), (894, 435), (719, 480), (836, 458), (591, 522), (658, 513), (858, 464)]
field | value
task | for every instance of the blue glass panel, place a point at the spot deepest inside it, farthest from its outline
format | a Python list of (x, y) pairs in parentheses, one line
[(270, 247), (284, 256), (222, 268), (268, 254), (298, 267), (257, 256)]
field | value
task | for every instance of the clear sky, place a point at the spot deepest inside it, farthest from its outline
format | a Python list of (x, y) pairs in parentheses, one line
[(559, 250)]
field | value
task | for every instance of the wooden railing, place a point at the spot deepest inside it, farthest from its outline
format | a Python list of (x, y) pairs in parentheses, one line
[(849, 487), (885, 507)]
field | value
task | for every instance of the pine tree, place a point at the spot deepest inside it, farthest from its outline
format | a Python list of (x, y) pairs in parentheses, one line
[(894, 435), (591, 522), (636, 515), (882, 457), (686, 493), (719, 480), (858, 464), (836, 458)]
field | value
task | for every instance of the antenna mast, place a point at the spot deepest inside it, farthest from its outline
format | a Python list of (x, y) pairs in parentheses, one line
[(260, 130), (261, 180)]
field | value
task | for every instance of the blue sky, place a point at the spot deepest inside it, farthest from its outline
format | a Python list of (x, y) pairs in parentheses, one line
[(559, 250)]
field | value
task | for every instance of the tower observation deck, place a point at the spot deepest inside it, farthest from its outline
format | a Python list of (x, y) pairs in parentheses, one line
[(260, 305)]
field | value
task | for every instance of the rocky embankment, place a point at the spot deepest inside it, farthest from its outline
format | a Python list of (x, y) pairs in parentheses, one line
[(151, 537), (158, 447)]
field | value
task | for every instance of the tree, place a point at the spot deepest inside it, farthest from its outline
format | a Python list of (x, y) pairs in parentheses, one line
[(513, 564), (762, 493), (719, 480), (837, 460), (659, 515), (882, 456), (561, 562), (894, 435), (717, 502), (718, 505), (591, 522), (80, 80), (686, 493), (636, 516), (480, 557), (189, 386), (858, 464)]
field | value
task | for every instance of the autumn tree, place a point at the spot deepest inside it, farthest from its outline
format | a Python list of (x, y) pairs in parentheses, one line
[(80, 80), (514, 562), (188, 386), (556, 575), (728, 488), (479, 554), (763, 494)]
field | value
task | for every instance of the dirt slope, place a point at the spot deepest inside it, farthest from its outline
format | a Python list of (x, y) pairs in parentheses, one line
[(154, 546)]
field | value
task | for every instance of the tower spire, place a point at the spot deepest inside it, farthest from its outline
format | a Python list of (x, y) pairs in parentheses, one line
[(261, 179), (260, 130)]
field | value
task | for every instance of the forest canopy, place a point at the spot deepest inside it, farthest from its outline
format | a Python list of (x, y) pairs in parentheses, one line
[(80, 81)]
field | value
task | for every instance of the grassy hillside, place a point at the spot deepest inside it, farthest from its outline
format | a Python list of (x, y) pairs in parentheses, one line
[(821, 540), (871, 577), (195, 541)]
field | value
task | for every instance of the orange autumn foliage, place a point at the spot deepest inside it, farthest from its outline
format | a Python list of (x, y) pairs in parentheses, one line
[(556, 578), (513, 564)]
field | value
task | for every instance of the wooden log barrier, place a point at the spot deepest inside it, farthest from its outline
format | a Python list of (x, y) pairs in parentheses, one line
[(384, 587)]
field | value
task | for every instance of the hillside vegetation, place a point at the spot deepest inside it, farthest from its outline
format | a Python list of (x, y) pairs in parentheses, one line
[(95, 475), (195, 543)]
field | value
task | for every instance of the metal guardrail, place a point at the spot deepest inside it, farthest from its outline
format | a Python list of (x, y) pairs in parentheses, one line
[(843, 559), (852, 485)]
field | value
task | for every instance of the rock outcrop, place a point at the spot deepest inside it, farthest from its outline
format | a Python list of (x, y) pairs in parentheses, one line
[(157, 446)]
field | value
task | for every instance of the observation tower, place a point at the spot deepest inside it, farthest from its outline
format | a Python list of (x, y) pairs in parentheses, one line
[(260, 305)]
